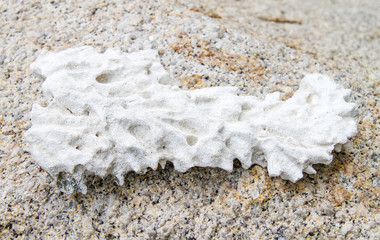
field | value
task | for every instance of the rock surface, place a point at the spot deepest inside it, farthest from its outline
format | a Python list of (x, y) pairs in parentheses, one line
[(258, 47)]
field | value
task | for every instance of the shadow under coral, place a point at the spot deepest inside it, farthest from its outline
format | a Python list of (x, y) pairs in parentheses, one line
[(197, 179)]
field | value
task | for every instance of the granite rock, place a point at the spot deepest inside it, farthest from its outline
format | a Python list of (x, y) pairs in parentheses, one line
[(257, 46)]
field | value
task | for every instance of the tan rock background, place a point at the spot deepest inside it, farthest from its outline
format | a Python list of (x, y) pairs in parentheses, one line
[(259, 46)]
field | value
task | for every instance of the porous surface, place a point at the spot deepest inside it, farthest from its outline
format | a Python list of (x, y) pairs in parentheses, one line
[(257, 46), (113, 113)]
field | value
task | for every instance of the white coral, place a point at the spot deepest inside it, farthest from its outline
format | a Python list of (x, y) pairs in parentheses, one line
[(113, 113)]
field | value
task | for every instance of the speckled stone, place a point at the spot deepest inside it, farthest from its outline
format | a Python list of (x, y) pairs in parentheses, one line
[(259, 46)]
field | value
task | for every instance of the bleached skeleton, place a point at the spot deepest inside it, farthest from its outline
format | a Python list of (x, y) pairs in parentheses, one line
[(115, 112)]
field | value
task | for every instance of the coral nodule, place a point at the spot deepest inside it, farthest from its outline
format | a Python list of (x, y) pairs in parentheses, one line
[(117, 112)]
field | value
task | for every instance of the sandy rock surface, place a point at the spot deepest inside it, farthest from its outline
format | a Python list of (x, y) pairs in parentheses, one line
[(260, 47)]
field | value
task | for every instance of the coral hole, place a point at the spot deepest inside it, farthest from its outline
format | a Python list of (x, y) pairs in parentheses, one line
[(191, 140), (103, 78), (140, 132), (312, 99)]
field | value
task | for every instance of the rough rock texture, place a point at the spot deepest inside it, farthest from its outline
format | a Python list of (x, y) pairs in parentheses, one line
[(257, 46), (113, 113)]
